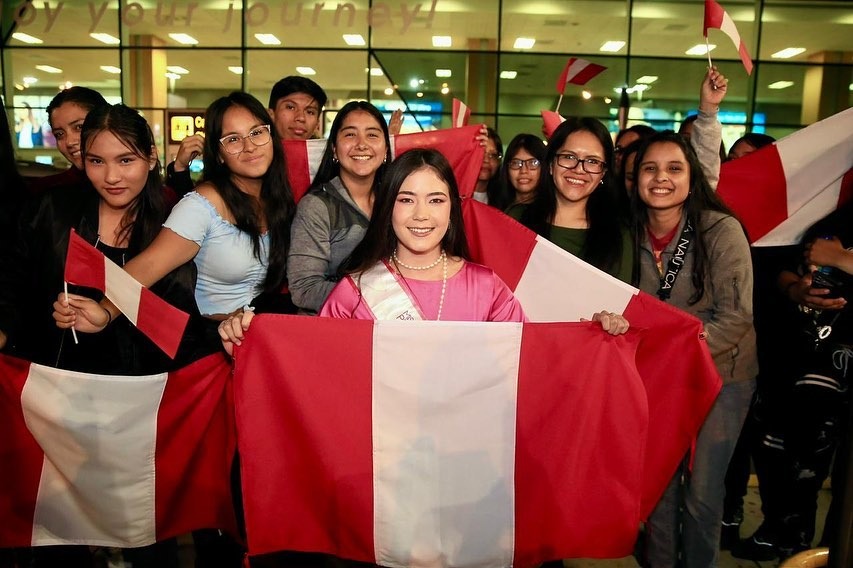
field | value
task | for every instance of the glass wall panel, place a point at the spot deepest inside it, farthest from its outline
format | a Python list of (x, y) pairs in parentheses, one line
[(343, 24), (814, 26), (69, 24), (669, 28), (438, 24), (185, 23), (575, 27)]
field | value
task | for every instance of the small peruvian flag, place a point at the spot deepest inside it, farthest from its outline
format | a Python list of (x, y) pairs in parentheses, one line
[(717, 17), (161, 322), (461, 114), (577, 72)]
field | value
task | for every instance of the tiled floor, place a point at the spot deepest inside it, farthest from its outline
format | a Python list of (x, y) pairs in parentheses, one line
[(752, 518)]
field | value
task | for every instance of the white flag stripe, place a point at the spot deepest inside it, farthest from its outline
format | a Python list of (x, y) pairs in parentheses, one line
[(315, 149), (551, 272), (456, 437), (576, 67), (816, 156), (792, 229), (728, 26), (98, 434), (122, 290)]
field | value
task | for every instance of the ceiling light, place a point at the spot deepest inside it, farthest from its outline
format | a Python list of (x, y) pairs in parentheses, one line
[(618, 90), (236, 69), (267, 39), (29, 81), (586, 94), (26, 38), (509, 74), (607, 100), (173, 76), (177, 69), (640, 88), (850, 88), (776, 85), (788, 52), (414, 83), (376, 72), (420, 95), (111, 69), (184, 39), (443, 73), (612, 46), (354, 39), (106, 38), (524, 43), (49, 69), (700, 49), (442, 41), (19, 86), (647, 79), (389, 91), (445, 90), (306, 71)]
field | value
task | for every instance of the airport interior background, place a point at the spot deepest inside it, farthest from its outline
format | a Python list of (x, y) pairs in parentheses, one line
[(171, 58)]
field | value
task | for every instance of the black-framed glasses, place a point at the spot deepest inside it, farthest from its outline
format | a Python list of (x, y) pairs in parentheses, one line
[(531, 163), (589, 165), (494, 156), (259, 136)]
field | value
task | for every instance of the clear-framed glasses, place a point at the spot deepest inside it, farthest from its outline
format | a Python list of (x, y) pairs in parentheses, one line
[(531, 163), (493, 156), (589, 165), (259, 136)]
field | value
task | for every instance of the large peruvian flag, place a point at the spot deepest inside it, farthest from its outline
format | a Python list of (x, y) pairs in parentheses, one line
[(113, 460), (459, 145), (440, 443), (678, 374), (783, 188)]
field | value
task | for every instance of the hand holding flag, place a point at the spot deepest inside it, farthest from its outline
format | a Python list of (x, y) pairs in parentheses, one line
[(717, 17)]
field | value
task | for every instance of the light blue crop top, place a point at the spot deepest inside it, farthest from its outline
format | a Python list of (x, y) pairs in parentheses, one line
[(229, 273)]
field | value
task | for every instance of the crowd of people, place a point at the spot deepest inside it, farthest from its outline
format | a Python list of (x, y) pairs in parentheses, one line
[(383, 238)]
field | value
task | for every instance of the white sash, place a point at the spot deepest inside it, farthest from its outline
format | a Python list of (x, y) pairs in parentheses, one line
[(386, 296)]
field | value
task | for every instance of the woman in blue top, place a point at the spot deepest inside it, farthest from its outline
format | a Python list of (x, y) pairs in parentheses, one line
[(235, 226)]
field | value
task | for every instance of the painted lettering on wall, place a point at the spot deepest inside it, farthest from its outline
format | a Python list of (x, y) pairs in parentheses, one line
[(256, 14)]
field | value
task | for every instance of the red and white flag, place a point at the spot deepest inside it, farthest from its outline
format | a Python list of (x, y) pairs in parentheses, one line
[(161, 322), (113, 460), (461, 114), (459, 146), (577, 72), (440, 444), (717, 17), (679, 376), (780, 190)]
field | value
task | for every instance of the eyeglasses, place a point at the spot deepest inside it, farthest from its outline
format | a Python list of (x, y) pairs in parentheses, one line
[(589, 165), (259, 136), (531, 163), (494, 156)]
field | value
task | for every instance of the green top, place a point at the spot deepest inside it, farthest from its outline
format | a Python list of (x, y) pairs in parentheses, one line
[(572, 241)]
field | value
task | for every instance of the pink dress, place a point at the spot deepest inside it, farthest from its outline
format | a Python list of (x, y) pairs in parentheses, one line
[(475, 293)]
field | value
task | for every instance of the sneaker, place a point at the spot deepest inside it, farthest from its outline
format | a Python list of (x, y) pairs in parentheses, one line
[(755, 548), (729, 535)]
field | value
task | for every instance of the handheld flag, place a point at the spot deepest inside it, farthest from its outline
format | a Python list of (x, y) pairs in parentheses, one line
[(550, 121), (717, 17), (163, 323), (461, 114), (577, 72)]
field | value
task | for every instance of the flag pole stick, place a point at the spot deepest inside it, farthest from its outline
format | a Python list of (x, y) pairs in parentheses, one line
[(73, 331), (708, 51), (559, 102)]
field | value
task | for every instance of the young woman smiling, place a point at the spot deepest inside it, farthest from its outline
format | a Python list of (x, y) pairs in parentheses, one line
[(694, 255), (333, 216), (521, 171)]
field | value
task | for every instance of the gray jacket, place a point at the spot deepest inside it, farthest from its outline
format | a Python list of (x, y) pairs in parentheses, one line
[(326, 228), (706, 138), (726, 306)]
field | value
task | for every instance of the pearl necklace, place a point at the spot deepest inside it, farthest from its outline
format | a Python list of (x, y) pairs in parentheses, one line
[(443, 259), (410, 267)]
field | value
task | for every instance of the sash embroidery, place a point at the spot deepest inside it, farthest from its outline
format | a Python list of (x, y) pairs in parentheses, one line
[(386, 296), (676, 263)]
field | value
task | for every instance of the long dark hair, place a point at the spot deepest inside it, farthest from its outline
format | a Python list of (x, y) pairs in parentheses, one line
[(536, 148), (379, 240), (84, 97), (606, 217), (494, 191), (11, 183), (700, 198), (329, 167), (276, 196), (143, 219)]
